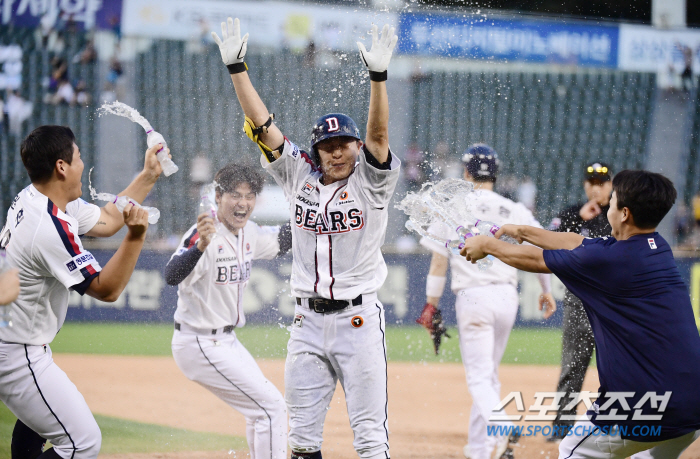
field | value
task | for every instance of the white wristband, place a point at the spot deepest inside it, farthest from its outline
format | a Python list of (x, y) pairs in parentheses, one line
[(545, 282), (434, 286)]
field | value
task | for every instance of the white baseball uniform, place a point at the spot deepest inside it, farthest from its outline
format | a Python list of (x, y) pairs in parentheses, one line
[(42, 242), (486, 306), (205, 346), (337, 234)]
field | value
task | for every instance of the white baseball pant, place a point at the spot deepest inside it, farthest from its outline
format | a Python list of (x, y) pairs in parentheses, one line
[(588, 445), (485, 317), (40, 394), (325, 348), (222, 365)]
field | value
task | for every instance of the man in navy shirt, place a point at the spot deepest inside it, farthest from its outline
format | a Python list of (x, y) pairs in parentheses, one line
[(647, 344)]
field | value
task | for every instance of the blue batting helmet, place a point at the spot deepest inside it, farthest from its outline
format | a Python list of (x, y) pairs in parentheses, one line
[(333, 125), (481, 162)]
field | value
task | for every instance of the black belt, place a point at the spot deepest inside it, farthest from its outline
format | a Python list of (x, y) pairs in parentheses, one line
[(323, 305), (226, 329)]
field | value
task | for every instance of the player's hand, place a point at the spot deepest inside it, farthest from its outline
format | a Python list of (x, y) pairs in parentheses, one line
[(231, 45), (431, 319), (9, 286), (151, 165), (205, 228), (590, 210), (514, 231), (547, 304), (378, 57), (474, 248), (136, 221)]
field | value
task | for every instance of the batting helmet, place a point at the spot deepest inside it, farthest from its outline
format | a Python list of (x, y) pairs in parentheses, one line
[(333, 125), (481, 162)]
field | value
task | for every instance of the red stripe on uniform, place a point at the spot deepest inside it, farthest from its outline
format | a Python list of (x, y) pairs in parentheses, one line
[(193, 240), (91, 270)]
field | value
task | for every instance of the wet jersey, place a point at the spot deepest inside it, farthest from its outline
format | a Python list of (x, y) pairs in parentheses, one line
[(211, 295), (42, 242), (338, 229), (488, 206)]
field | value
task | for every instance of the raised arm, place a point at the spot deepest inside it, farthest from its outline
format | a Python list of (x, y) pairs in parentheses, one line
[(258, 119), (548, 240), (111, 220), (377, 61)]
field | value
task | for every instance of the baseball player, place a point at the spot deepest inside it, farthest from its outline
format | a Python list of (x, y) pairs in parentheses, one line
[(212, 268), (588, 219), (339, 196), (41, 236), (647, 344), (487, 301)]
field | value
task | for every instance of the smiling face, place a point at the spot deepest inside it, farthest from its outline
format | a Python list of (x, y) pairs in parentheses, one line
[(74, 173), (235, 207), (598, 191), (338, 156)]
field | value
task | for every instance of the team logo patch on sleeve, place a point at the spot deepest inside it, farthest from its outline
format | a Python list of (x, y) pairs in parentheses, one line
[(357, 321), (652, 243), (71, 266), (295, 152)]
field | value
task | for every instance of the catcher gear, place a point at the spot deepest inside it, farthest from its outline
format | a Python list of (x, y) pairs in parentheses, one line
[(231, 45), (333, 125), (431, 319), (253, 132), (377, 58), (481, 162)]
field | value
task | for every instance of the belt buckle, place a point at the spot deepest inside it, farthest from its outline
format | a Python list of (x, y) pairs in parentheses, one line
[(315, 303), (228, 329)]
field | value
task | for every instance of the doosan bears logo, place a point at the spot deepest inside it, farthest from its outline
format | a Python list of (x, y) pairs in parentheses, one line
[(337, 221)]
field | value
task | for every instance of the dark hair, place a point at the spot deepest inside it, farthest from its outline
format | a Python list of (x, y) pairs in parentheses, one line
[(231, 175), (648, 196), (43, 147)]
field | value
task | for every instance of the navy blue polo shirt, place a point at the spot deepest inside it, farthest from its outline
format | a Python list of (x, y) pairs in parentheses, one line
[(642, 320)]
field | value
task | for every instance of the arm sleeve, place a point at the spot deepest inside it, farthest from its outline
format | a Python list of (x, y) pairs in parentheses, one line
[(583, 267), (87, 214), (286, 169), (181, 264), (267, 244), (378, 181), (64, 258)]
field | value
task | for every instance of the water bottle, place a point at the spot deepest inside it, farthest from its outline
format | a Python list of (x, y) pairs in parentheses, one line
[(457, 246), (122, 201), (154, 138), (490, 229), (5, 315), (208, 207)]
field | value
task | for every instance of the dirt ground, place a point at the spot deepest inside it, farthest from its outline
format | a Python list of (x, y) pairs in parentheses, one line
[(429, 404)]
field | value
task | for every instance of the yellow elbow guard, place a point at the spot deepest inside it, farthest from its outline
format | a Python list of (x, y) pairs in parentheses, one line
[(253, 132)]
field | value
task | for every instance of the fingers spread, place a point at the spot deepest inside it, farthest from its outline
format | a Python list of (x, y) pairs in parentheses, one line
[(229, 22), (245, 38), (385, 34), (224, 33), (236, 27), (374, 34), (394, 39), (216, 38)]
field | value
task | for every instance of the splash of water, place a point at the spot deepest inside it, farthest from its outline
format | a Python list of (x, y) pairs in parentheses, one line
[(121, 109)]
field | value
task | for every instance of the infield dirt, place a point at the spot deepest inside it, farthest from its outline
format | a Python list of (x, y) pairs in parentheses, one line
[(429, 404)]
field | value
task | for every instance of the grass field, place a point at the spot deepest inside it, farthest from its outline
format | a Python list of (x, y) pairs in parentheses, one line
[(408, 343), (527, 346)]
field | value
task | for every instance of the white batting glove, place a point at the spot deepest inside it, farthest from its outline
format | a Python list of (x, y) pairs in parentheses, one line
[(377, 59), (233, 47)]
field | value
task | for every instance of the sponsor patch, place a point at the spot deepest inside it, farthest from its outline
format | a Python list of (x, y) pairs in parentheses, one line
[(295, 152), (71, 266), (357, 321), (298, 319), (652, 243), (220, 249), (307, 188), (343, 195), (80, 261), (20, 217)]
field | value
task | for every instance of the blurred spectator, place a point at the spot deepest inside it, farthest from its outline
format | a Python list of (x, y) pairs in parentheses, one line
[(59, 73), (684, 223), (115, 25), (64, 95), (115, 69), (82, 96), (87, 55), (687, 82), (527, 193), (18, 111), (45, 29), (310, 55), (412, 168), (199, 41)]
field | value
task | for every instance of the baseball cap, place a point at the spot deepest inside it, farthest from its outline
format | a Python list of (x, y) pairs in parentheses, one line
[(598, 171)]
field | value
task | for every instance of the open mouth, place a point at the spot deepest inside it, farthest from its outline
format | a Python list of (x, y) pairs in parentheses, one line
[(240, 214)]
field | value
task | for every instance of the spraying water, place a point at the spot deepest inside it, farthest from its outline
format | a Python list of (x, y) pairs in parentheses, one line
[(122, 201), (152, 137), (448, 202)]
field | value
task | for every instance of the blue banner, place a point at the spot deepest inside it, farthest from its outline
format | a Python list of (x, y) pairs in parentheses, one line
[(85, 14), (505, 40), (147, 298)]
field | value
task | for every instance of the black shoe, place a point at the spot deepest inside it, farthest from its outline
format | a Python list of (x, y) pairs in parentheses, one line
[(508, 454), (514, 437)]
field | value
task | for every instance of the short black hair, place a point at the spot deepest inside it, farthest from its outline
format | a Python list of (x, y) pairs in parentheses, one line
[(43, 147), (231, 175), (648, 195)]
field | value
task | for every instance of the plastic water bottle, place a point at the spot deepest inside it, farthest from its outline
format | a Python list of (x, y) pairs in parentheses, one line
[(5, 315), (456, 246), (490, 229), (122, 201), (208, 207), (154, 138)]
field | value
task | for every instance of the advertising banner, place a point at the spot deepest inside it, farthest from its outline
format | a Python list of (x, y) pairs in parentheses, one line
[(646, 49), (270, 24), (86, 14), (508, 40)]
